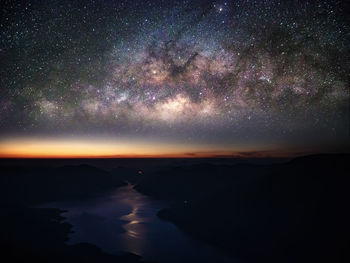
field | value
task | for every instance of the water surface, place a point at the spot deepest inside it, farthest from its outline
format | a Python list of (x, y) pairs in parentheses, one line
[(126, 221)]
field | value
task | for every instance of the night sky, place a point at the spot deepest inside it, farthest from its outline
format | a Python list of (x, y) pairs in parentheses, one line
[(174, 77)]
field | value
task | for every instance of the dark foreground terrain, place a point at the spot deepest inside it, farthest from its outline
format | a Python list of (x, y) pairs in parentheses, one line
[(292, 211), (30, 234)]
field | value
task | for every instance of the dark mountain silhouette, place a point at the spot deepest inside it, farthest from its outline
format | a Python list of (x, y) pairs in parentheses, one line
[(38, 234), (292, 212), (39, 184)]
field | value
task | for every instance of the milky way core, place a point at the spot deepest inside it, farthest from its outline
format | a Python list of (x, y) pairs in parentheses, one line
[(264, 75)]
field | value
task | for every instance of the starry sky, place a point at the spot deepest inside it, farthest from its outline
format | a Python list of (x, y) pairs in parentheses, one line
[(193, 77)]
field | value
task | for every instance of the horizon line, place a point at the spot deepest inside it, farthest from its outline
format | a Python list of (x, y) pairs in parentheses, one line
[(170, 156)]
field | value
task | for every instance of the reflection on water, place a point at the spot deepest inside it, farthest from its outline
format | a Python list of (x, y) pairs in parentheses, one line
[(126, 221), (135, 233)]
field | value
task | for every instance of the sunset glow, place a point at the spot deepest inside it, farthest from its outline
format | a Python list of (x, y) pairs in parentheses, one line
[(85, 148)]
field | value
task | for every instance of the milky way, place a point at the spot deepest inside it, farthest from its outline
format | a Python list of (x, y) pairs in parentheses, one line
[(225, 72)]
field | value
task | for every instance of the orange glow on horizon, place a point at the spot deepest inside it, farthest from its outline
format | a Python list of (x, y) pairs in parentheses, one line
[(126, 148), (135, 156), (69, 148)]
